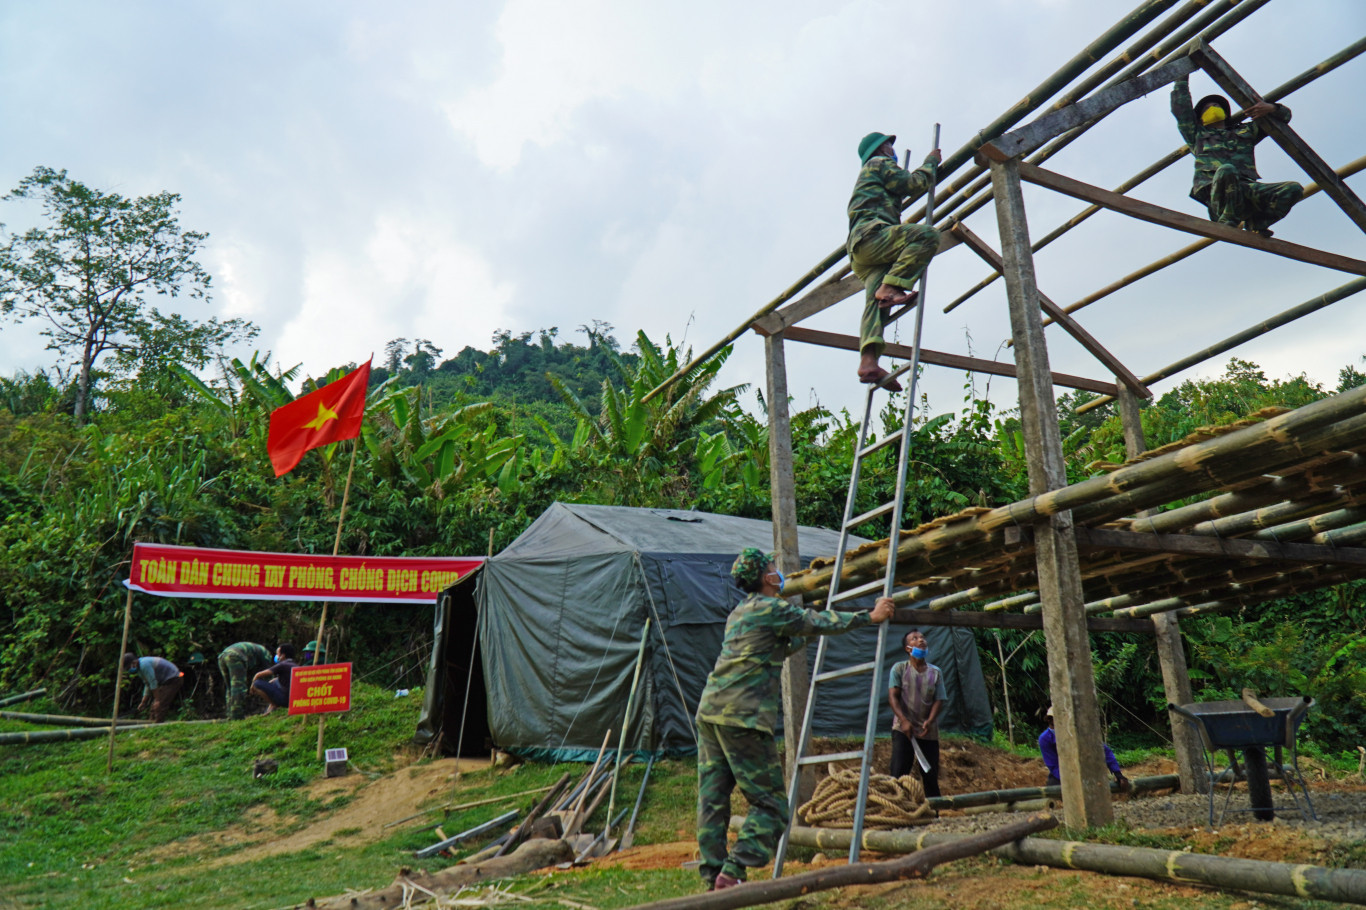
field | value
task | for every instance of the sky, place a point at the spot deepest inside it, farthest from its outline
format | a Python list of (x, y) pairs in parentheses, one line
[(446, 170)]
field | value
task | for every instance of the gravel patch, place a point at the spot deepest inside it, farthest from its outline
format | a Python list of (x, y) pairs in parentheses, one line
[(1341, 815)]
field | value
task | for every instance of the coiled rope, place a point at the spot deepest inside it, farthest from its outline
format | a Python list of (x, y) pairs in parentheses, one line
[(893, 802)]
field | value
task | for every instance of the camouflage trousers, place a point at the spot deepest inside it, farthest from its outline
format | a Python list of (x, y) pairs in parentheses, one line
[(237, 674), (727, 757), (1234, 200), (895, 255)]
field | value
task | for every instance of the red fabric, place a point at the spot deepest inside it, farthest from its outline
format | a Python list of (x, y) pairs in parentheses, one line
[(330, 414)]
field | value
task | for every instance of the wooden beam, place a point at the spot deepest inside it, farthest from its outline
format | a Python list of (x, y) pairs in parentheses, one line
[(809, 304), (1071, 680), (796, 680), (1298, 150), (975, 619), (826, 296), (942, 359), (1156, 214), (1236, 548), (1083, 337), (1030, 137)]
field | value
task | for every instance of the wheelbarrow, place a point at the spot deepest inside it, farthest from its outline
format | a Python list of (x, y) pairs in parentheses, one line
[(1252, 726)]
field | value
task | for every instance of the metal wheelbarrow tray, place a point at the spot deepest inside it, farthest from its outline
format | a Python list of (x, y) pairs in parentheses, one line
[(1229, 725)]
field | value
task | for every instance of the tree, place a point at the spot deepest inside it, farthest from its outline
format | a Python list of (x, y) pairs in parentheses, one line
[(89, 274)]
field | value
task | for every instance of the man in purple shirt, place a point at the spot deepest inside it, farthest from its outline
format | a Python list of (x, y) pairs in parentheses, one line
[(1048, 748), (161, 682)]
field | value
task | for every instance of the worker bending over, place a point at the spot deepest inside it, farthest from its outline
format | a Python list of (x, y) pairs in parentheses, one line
[(1048, 749), (886, 255)]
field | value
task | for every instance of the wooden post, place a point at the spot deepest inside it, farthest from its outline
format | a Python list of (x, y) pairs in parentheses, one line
[(118, 681), (1171, 654), (1081, 764), (782, 490)]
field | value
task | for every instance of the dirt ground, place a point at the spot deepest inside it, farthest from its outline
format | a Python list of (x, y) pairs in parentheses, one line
[(375, 804), (966, 766)]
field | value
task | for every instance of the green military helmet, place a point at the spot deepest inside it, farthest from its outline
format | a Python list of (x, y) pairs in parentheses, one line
[(749, 566), (311, 648), (871, 143)]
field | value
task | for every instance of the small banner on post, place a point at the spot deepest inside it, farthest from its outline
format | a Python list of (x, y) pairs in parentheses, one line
[(170, 571), (320, 689)]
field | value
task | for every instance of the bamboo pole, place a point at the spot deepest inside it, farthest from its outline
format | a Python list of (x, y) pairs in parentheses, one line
[(1276, 94), (626, 723), (21, 697), (32, 737), (118, 681), (336, 548), (1185, 252), (1290, 879), (1229, 458), (1282, 318), (62, 719), (1017, 794), (1176, 45), (793, 886), (1136, 19)]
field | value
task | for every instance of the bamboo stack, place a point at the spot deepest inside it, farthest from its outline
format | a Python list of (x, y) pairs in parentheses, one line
[(1282, 477)]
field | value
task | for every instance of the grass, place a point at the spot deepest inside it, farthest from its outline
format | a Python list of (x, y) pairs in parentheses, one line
[(146, 836)]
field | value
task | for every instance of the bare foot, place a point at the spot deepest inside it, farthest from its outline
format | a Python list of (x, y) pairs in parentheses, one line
[(876, 375), (888, 296)]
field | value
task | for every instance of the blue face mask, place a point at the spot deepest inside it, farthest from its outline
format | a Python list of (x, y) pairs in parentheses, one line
[(782, 579), (919, 653)]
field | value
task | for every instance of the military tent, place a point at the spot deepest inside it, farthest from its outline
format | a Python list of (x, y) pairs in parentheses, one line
[(560, 614)]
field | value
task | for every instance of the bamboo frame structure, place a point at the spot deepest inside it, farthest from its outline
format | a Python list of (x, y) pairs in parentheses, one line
[(1281, 509)]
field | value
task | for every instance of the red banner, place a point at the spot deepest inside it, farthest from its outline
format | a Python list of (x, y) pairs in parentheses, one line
[(170, 571), (320, 689)]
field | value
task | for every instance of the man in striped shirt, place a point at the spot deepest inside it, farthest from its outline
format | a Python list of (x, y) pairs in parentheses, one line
[(916, 692)]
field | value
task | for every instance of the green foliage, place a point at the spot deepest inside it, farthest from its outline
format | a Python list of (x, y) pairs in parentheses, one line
[(87, 274)]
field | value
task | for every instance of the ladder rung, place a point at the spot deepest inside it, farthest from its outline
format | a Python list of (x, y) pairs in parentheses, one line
[(866, 588), (900, 371), (833, 756), (881, 443), (847, 671), (868, 516)]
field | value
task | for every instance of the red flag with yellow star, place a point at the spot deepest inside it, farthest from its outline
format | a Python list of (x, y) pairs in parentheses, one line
[(331, 414)]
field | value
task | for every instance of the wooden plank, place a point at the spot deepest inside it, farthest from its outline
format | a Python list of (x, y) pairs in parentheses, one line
[(942, 359), (1030, 137), (809, 304), (1071, 681), (1156, 214), (976, 619), (1083, 337), (826, 296), (1281, 133), (1238, 548)]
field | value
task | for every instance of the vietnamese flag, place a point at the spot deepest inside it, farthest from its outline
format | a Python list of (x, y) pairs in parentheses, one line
[(330, 414)]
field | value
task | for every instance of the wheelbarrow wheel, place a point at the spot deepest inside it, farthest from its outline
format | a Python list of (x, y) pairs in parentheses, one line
[(1258, 783)]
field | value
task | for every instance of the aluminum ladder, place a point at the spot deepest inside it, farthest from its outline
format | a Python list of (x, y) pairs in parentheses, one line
[(883, 587)]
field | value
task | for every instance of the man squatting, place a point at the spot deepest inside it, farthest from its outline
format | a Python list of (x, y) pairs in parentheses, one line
[(1225, 161), (886, 255), (738, 713)]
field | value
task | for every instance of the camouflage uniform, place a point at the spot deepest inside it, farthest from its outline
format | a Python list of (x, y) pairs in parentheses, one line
[(882, 250), (239, 663), (735, 723), (1226, 167)]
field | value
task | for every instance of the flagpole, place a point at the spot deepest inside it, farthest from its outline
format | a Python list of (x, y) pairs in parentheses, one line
[(336, 549), (118, 679)]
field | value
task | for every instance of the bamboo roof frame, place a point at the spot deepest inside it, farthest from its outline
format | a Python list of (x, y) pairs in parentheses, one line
[(1161, 566)]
